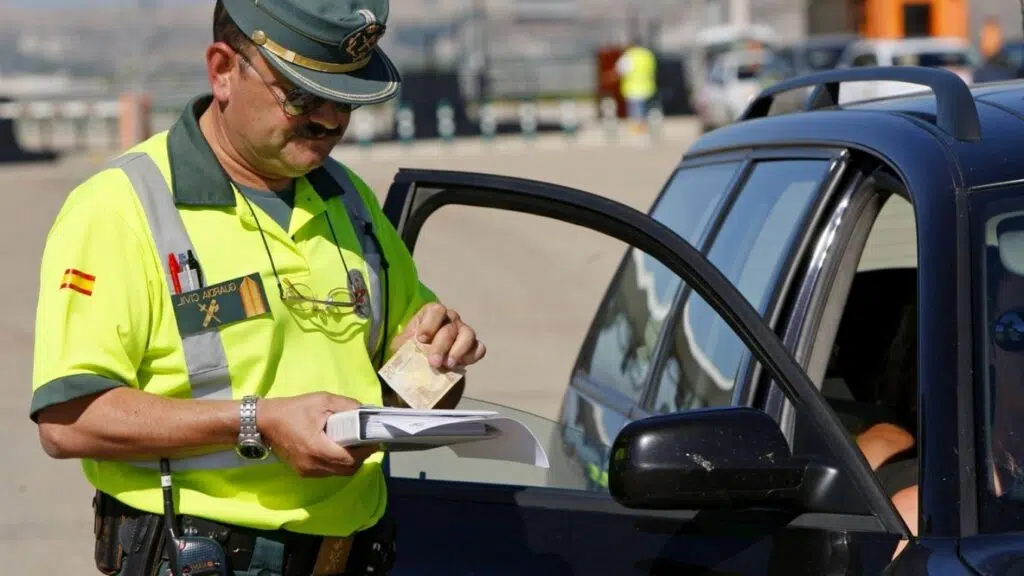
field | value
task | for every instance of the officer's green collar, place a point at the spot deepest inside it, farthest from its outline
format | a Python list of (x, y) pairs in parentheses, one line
[(197, 177)]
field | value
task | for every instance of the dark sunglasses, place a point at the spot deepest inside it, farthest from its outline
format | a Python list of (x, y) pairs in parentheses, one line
[(296, 102)]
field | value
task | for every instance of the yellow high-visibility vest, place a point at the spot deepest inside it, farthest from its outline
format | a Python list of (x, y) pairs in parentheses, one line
[(639, 82)]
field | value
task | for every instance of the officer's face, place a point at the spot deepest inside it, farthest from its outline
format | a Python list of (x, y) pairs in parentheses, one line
[(264, 128)]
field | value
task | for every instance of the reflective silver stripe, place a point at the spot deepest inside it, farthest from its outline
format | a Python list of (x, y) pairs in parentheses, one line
[(205, 359), (204, 352), (360, 217)]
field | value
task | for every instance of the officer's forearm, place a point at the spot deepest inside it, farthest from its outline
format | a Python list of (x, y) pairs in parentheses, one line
[(128, 424)]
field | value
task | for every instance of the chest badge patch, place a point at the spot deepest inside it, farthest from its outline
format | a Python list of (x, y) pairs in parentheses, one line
[(221, 304)]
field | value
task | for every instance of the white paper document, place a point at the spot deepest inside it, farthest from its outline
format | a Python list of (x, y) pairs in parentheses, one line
[(468, 433)]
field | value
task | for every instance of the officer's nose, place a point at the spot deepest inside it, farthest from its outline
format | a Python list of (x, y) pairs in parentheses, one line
[(328, 115)]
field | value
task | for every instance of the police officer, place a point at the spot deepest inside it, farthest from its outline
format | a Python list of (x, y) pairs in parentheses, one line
[(217, 291)]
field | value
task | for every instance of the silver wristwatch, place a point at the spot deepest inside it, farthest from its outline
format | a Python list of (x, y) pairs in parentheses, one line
[(250, 444)]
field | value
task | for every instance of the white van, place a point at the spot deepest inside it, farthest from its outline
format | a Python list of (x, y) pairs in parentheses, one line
[(955, 54)]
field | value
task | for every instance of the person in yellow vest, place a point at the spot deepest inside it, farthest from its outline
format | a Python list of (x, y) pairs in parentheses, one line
[(637, 69), (209, 298)]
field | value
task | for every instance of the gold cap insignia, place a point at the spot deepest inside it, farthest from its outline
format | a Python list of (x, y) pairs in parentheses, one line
[(359, 44)]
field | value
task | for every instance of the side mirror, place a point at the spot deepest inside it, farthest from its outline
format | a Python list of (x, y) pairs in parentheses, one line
[(717, 458)]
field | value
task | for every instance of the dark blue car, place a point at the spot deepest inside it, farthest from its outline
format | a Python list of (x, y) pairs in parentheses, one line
[(802, 280)]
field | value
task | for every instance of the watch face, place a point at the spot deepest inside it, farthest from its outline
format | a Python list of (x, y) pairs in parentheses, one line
[(252, 450)]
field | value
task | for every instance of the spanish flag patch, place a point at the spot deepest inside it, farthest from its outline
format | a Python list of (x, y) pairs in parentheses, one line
[(78, 281)]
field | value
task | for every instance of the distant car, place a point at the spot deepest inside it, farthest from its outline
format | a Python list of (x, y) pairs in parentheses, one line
[(954, 54), (734, 80), (816, 53)]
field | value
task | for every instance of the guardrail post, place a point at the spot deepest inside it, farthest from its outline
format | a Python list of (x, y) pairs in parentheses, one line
[(78, 114), (655, 121), (528, 119), (365, 129), (445, 121), (406, 126), (569, 118), (488, 121)]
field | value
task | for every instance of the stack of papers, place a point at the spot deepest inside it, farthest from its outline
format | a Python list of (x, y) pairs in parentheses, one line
[(468, 433)]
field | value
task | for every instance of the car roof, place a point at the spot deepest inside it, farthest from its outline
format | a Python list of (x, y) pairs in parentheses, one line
[(904, 130)]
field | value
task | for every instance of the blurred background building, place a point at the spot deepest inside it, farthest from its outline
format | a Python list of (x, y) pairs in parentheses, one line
[(464, 52)]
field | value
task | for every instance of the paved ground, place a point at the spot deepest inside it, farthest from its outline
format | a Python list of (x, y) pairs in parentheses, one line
[(529, 285)]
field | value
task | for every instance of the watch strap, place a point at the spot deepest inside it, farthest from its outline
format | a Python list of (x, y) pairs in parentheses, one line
[(247, 418)]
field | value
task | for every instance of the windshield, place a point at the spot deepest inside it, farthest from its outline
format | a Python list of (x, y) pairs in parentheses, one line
[(997, 229), (823, 58)]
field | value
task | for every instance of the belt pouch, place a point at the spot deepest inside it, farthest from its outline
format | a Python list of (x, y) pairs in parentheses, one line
[(107, 522), (142, 539)]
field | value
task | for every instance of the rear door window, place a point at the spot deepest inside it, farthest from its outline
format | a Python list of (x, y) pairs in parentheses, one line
[(618, 354), (752, 249)]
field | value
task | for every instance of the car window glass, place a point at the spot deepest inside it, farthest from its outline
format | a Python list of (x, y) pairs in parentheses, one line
[(824, 58), (934, 59), (751, 249), (867, 59), (998, 246), (627, 326), (1014, 55), (747, 71)]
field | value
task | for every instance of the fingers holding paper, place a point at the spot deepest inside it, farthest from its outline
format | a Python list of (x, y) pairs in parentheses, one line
[(451, 343)]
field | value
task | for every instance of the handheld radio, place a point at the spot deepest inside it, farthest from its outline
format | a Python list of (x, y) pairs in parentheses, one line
[(188, 555)]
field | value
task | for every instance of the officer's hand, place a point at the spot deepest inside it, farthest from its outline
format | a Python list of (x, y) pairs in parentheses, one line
[(452, 343), (294, 429)]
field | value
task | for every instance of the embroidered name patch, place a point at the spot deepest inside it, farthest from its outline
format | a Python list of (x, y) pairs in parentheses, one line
[(220, 304)]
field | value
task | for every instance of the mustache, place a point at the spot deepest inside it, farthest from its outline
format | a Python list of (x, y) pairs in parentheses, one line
[(314, 131)]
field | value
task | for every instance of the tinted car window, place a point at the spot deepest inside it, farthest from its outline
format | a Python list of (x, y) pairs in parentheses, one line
[(618, 356), (865, 60), (823, 58), (998, 245), (936, 59), (751, 250)]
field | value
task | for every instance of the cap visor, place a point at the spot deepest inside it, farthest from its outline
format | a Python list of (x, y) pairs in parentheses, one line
[(376, 82)]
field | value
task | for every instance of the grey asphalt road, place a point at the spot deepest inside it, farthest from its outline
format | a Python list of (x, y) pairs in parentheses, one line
[(529, 285)]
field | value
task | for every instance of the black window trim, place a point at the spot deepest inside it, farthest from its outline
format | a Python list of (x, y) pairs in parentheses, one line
[(851, 199), (751, 156), (782, 303)]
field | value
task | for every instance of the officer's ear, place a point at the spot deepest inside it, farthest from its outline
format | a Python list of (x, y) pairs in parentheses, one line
[(221, 63)]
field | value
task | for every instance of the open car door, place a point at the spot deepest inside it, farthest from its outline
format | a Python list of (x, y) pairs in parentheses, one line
[(822, 513)]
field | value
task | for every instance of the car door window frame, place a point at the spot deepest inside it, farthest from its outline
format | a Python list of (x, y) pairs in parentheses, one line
[(824, 287), (607, 395), (743, 394), (422, 192)]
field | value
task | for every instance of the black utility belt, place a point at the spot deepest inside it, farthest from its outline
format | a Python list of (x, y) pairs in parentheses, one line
[(131, 542)]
